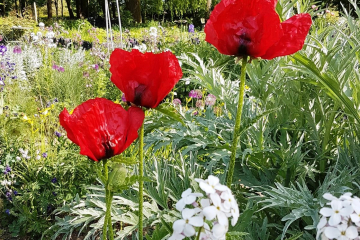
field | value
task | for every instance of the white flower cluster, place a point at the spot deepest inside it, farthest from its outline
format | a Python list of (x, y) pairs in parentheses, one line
[(207, 215), (341, 220)]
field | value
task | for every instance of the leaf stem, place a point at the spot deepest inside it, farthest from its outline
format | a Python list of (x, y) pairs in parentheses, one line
[(325, 142), (199, 233), (237, 122), (141, 180)]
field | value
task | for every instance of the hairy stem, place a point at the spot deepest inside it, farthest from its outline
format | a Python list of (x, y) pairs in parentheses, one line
[(237, 122), (106, 175), (108, 206), (141, 181)]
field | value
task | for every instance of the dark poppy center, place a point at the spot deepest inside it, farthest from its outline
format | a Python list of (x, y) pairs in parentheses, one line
[(109, 152), (243, 45), (139, 90)]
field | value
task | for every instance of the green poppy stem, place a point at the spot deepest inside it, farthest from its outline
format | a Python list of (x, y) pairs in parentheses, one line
[(106, 175), (108, 210), (237, 122), (141, 180)]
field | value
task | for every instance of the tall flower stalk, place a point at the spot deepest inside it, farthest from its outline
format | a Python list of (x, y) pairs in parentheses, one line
[(237, 122), (141, 180), (108, 199)]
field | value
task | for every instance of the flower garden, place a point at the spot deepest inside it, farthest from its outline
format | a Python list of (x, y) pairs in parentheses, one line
[(246, 127)]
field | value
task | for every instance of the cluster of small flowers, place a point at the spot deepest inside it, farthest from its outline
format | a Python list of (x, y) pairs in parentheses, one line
[(58, 68), (3, 49), (340, 221), (210, 100), (209, 214), (196, 94), (17, 49), (24, 154)]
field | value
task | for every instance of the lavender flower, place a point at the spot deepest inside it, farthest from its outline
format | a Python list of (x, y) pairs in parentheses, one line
[(7, 211), (96, 67), (54, 66), (54, 180), (61, 69), (44, 155), (7, 170), (3, 49), (57, 134), (191, 28), (16, 193)]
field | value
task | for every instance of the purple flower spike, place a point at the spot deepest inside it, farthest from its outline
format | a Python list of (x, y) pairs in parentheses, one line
[(3, 49), (191, 28), (57, 134), (44, 155)]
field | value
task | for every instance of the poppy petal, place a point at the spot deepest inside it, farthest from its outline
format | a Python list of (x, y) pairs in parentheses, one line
[(295, 30), (102, 128), (144, 78)]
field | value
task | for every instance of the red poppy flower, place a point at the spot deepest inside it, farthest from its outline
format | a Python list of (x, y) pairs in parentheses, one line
[(144, 78), (253, 28), (102, 128)]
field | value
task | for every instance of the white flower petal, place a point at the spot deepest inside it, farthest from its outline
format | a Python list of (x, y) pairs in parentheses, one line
[(223, 220), (189, 230), (186, 193), (196, 221), (345, 212), (190, 199), (329, 196), (206, 188), (326, 212), (180, 205), (213, 180), (321, 223), (331, 232), (205, 202), (215, 198), (210, 212), (179, 226), (336, 204), (334, 220), (219, 230), (355, 218), (351, 232), (187, 213)]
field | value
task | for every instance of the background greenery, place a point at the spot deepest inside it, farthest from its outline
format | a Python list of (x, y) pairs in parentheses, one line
[(300, 130)]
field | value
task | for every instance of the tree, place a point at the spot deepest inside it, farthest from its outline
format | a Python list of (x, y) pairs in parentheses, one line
[(49, 8), (134, 7)]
